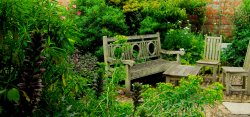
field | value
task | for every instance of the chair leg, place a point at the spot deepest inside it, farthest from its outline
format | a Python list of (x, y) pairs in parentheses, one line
[(223, 78), (214, 73), (218, 72), (248, 85), (228, 83), (242, 95)]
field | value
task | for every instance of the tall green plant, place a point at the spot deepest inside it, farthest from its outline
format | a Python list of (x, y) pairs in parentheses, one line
[(234, 55), (31, 82), (19, 19)]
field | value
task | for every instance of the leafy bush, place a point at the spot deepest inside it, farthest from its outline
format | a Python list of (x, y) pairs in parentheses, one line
[(187, 99), (234, 55), (19, 20), (129, 17), (96, 20), (183, 38)]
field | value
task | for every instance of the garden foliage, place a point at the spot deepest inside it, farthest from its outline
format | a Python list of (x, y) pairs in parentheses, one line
[(19, 20), (130, 17), (235, 54), (186, 100), (183, 38), (96, 20), (71, 82)]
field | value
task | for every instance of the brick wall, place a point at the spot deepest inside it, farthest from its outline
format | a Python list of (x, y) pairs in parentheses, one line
[(64, 2), (219, 17)]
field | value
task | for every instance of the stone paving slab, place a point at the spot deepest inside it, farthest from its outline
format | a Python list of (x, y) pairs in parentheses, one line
[(238, 108)]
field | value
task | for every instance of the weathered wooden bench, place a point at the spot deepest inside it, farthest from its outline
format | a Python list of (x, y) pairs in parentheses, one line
[(148, 49)]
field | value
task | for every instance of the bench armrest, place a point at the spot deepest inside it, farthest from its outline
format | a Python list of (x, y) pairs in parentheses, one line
[(178, 53), (126, 62)]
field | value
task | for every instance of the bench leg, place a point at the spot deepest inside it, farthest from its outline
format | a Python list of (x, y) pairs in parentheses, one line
[(127, 79)]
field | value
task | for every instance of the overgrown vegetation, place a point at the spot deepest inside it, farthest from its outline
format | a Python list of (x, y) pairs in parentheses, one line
[(235, 54), (186, 100), (183, 38), (50, 57), (130, 17), (19, 20)]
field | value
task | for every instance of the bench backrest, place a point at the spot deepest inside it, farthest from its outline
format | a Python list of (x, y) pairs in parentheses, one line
[(212, 48), (246, 65), (142, 47)]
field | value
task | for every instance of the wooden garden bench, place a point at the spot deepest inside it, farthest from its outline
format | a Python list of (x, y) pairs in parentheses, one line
[(229, 74), (211, 56), (142, 47)]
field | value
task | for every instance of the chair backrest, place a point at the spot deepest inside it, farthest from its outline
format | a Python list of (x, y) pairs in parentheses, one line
[(212, 48), (141, 47), (246, 65)]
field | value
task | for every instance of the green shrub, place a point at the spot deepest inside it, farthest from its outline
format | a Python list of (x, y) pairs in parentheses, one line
[(129, 17), (234, 55), (183, 38), (186, 100), (96, 20)]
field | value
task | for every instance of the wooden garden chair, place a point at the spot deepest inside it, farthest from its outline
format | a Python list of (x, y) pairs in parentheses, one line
[(211, 56), (229, 74)]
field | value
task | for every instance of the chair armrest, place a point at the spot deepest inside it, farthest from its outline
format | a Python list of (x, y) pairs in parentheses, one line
[(126, 62), (178, 53)]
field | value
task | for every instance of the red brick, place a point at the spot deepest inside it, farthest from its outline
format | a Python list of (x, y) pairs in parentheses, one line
[(225, 22), (224, 18), (217, 2), (236, 3)]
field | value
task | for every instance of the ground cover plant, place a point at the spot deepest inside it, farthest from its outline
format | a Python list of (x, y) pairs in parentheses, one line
[(187, 99), (51, 61)]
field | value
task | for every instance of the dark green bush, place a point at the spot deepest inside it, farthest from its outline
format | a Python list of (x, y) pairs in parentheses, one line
[(234, 55), (129, 17), (97, 19), (183, 38)]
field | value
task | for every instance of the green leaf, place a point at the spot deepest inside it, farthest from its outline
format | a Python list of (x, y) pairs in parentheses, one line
[(2, 91), (13, 95)]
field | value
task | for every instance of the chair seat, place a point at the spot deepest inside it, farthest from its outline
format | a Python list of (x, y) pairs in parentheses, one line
[(209, 62), (233, 69)]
